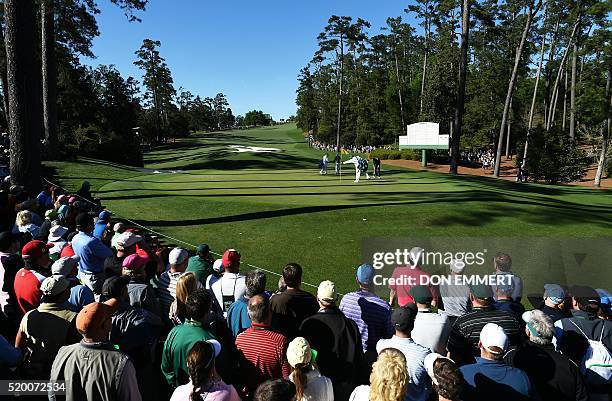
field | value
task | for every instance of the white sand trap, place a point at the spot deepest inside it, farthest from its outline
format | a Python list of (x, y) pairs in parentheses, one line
[(253, 149)]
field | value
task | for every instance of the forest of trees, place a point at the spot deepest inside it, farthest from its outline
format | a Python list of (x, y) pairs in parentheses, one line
[(489, 72), (47, 93)]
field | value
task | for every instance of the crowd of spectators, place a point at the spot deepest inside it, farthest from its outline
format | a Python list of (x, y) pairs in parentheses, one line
[(345, 148), (92, 301)]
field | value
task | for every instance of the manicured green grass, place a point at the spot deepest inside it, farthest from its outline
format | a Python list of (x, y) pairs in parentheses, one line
[(276, 208)]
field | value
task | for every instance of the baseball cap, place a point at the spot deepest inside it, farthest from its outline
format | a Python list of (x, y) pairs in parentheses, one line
[(127, 239), (51, 214), (554, 292), (104, 214), (365, 274), (482, 291), (327, 291), (457, 266), (415, 254), (493, 335), (62, 198), (83, 219), (35, 249), (134, 262), (218, 265), (72, 199), (230, 256), (93, 316), (113, 286), (585, 294), (421, 294), (177, 256), (56, 233), (299, 352), (429, 362), (54, 285), (403, 317), (119, 227), (64, 266), (203, 249)]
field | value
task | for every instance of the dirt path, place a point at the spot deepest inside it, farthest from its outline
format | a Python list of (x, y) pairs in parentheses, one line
[(507, 171)]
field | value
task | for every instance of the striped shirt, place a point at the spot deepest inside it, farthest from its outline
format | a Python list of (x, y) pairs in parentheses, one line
[(420, 383), (465, 333), (372, 315), (166, 290), (262, 355)]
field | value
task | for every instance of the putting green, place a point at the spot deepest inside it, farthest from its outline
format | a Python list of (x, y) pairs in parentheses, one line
[(275, 207)]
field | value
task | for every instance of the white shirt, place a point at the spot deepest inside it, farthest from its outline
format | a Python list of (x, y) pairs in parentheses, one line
[(318, 388), (231, 286), (361, 393), (431, 330)]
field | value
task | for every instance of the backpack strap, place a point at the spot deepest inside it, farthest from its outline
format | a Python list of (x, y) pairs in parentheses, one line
[(580, 330)]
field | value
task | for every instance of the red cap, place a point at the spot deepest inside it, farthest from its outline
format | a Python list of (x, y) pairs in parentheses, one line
[(35, 249), (230, 257), (67, 252)]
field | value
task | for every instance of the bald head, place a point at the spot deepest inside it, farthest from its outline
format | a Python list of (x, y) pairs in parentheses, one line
[(259, 309)]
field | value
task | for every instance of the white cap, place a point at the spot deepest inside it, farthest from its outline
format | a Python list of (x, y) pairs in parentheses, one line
[(457, 266), (127, 239), (327, 291), (493, 335), (429, 361), (56, 233), (415, 255), (64, 266), (118, 227), (177, 256), (218, 265), (298, 352)]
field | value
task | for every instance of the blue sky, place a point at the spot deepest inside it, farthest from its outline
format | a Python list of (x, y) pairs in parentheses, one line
[(250, 50)]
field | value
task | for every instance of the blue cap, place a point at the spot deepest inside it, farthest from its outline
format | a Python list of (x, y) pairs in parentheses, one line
[(554, 292), (104, 214), (365, 274)]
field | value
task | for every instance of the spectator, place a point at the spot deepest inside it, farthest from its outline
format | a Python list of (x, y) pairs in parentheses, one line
[(291, 307), (47, 328), (371, 313), (166, 288), (201, 264), (102, 225), (490, 378), (261, 349), (554, 376), (503, 266), (50, 216), (45, 198), (27, 282), (182, 338), (56, 237), (140, 291), (80, 295), (185, 286), (118, 229), (67, 251), (446, 378), (309, 384), (24, 223), (577, 336), (431, 329), (407, 274), (92, 253), (231, 286), (88, 366), (10, 358), (505, 302), (337, 341), (238, 316), (455, 296), (275, 390), (465, 332), (84, 193), (554, 302), (388, 381), (204, 381), (10, 263), (216, 274), (403, 319), (125, 245)]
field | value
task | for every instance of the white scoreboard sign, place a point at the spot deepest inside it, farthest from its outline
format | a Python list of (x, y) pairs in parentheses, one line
[(423, 136)]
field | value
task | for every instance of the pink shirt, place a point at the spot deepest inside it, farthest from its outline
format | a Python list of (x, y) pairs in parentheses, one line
[(218, 392), (404, 278)]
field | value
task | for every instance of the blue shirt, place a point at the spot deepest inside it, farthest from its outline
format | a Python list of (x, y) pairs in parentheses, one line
[(372, 315), (80, 296), (9, 355), (488, 380), (238, 316), (92, 252), (44, 200), (99, 228)]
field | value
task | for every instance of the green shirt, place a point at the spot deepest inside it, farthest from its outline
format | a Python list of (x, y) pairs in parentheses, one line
[(202, 268), (176, 348)]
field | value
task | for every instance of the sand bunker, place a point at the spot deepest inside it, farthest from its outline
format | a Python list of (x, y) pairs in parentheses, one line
[(253, 149)]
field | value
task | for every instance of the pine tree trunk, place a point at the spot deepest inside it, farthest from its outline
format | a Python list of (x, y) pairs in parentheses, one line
[(340, 79), (572, 117), (564, 102), (606, 128), (23, 73), (508, 134), (459, 109), (49, 78), (519, 53), (399, 89), (547, 87), (4, 82)]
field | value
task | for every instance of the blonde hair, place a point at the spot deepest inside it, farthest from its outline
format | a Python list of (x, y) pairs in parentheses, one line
[(23, 218), (389, 377), (185, 286)]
